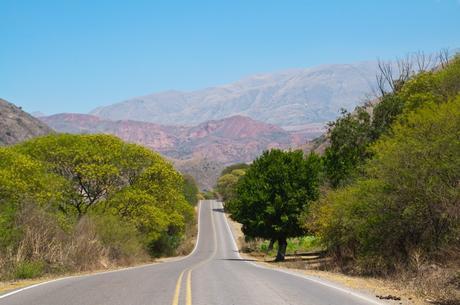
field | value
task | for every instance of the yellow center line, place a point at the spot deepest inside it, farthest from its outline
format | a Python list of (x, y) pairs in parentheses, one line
[(188, 298), (188, 293), (175, 300)]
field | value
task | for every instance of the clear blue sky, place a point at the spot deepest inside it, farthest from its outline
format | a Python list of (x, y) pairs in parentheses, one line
[(71, 56)]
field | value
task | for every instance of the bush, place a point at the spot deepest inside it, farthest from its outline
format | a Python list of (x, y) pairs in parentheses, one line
[(407, 203), (121, 238), (29, 270)]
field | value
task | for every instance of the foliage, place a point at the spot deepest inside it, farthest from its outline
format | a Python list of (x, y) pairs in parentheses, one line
[(350, 137), (226, 184), (28, 270), (407, 202), (209, 195), (273, 192), (295, 245), (233, 167), (385, 114), (190, 189), (72, 201)]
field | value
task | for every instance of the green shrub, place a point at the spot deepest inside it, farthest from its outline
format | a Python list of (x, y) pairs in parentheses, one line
[(28, 270), (120, 237), (408, 201)]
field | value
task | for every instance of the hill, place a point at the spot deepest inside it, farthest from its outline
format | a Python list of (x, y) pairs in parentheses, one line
[(201, 150), (287, 98), (17, 125)]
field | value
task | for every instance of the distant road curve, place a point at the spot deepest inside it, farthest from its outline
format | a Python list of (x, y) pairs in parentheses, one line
[(214, 273)]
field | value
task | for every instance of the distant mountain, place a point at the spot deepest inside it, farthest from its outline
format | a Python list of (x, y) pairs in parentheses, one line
[(294, 97), (17, 125), (202, 150)]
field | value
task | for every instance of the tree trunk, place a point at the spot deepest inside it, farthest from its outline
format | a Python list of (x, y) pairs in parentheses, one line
[(270, 245), (282, 244)]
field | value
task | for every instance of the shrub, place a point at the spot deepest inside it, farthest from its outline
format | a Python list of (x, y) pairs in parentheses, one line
[(28, 270)]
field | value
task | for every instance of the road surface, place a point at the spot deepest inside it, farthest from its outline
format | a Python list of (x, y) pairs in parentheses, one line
[(213, 273)]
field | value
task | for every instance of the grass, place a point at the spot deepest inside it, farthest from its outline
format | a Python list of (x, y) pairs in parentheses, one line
[(295, 245)]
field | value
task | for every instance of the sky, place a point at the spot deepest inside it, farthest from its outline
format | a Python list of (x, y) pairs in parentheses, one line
[(72, 56)]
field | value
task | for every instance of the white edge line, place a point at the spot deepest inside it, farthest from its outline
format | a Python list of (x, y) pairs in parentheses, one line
[(346, 291), (111, 271)]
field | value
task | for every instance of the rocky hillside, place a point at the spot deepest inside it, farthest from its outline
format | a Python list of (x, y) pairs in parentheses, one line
[(17, 125), (202, 150), (288, 98)]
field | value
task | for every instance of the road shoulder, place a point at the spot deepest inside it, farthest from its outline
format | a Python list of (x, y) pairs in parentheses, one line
[(360, 284)]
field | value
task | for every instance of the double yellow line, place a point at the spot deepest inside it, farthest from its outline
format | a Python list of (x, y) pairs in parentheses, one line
[(188, 289), (188, 295)]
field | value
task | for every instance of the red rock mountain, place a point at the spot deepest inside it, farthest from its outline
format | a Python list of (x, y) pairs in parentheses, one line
[(201, 150)]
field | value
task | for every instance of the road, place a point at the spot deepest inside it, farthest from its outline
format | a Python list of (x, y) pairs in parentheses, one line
[(213, 273)]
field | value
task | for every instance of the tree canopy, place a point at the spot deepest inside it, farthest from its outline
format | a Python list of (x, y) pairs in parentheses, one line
[(395, 176), (276, 188), (123, 199)]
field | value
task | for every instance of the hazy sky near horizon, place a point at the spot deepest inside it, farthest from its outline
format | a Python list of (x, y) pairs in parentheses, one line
[(72, 56)]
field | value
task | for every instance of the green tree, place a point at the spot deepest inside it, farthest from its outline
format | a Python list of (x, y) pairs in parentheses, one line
[(408, 200), (349, 136), (190, 189), (226, 184), (385, 114), (276, 188), (108, 176)]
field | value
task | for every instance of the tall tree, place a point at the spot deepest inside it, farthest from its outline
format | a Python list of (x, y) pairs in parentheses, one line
[(276, 188)]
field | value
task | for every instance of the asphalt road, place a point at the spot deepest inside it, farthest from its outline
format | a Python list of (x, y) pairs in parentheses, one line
[(213, 273)]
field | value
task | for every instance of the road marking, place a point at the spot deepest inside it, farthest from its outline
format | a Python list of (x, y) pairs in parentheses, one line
[(188, 290), (188, 298), (175, 300)]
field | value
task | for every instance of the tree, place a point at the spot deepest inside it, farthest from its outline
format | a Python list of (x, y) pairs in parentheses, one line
[(385, 113), (276, 188), (408, 199), (350, 136), (190, 189), (226, 184)]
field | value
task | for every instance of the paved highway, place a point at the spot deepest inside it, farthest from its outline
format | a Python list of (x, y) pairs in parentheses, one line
[(213, 273)]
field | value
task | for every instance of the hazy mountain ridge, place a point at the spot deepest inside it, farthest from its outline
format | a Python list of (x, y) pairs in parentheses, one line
[(201, 150), (17, 125), (292, 97)]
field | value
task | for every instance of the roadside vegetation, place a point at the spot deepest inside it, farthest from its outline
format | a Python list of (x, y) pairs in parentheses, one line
[(81, 202), (384, 198)]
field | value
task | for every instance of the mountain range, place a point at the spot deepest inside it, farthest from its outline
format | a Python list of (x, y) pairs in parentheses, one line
[(201, 150), (203, 131), (288, 98)]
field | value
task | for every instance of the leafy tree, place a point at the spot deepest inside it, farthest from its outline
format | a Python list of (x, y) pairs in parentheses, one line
[(273, 192), (226, 184), (89, 163), (190, 189), (407, 202), (349, 136), (385, 114)]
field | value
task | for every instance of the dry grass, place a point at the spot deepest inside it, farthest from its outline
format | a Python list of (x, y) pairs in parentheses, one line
[(191, 234)]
